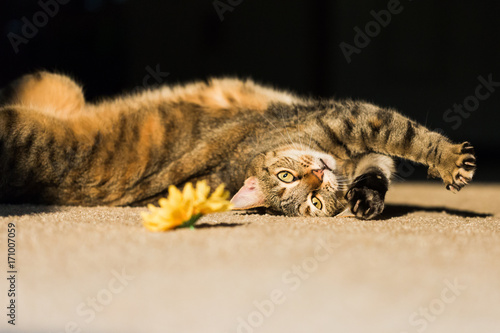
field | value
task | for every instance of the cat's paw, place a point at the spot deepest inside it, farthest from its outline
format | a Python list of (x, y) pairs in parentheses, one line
[(364, 202), (457, 167)]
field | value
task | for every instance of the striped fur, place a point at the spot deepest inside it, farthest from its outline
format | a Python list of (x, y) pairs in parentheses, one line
[(57, 149)]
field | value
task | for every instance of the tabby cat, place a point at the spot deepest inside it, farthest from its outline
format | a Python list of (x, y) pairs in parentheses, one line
[(272, 149)]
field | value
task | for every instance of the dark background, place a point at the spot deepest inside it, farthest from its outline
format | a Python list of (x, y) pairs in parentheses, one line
[(427, 59)]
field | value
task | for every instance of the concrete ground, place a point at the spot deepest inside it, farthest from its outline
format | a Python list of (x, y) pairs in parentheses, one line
[(431, 263)]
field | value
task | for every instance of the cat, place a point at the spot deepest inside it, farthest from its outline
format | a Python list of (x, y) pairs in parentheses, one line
[(272, 149)]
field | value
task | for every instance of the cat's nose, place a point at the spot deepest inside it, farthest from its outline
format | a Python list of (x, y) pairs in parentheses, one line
[(319, 173)]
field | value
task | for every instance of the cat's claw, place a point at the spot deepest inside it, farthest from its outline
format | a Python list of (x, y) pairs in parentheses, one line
[(465, 165), (457, 167), (467, 148), (364, 202), (453, 188)]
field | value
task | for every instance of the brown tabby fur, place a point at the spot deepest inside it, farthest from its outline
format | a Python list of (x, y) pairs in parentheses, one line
[(57, 149)]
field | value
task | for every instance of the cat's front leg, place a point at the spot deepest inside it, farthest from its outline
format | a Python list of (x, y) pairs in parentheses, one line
[(366, 128), (371, 181)]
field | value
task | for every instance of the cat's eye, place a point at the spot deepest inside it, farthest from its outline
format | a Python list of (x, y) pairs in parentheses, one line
[(286, 176), (316, 202)]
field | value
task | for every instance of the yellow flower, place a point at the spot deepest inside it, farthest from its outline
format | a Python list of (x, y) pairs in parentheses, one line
[(184, 209), (218, 202)]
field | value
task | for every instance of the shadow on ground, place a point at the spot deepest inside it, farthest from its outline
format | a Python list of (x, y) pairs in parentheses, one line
[(20, 210), (392, 210), (219, 225)]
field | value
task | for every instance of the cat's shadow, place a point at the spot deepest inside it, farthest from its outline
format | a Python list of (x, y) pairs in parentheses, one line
[(390, 211), (11, 210), (395, 210), (218, 225)]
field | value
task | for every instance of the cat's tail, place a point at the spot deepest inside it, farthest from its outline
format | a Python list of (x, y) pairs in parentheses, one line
[(51, 93)]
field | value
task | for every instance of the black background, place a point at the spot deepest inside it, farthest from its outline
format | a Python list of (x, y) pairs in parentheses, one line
[(425, 60)]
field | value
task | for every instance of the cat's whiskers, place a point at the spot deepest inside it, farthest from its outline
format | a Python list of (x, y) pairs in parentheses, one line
[(342, 208), (398, 177), (344, 184)]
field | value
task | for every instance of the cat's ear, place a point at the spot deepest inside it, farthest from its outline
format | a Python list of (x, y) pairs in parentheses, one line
[(249, 196)]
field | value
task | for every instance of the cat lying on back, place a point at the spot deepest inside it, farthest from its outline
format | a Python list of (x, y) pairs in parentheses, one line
[(271, 148)]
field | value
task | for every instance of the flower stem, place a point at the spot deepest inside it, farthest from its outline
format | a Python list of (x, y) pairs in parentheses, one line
[(190, 223)]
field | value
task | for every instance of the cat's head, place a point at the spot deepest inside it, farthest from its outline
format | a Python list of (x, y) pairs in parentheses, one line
[(295, 181)]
